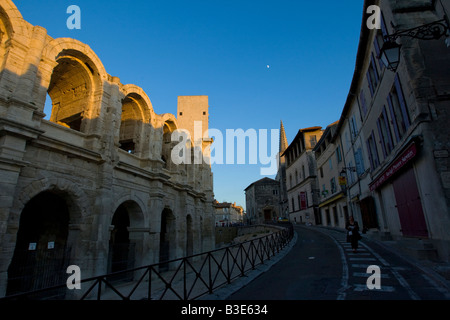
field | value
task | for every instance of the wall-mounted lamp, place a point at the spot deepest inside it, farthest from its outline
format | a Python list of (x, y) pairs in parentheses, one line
[(390, 52), (344, 170)]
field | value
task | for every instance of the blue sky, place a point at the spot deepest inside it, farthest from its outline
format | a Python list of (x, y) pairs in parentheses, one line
[(258, 61)]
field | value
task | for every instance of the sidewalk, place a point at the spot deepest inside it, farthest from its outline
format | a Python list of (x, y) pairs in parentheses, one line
[(437, 270)]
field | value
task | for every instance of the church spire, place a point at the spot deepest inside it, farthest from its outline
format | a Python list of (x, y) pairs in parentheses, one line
[(283, 141)]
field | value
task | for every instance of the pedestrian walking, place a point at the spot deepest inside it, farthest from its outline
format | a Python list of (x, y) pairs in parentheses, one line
[(353, 235)]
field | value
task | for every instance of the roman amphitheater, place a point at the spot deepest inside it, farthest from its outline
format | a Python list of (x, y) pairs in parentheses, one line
[(94, 185)]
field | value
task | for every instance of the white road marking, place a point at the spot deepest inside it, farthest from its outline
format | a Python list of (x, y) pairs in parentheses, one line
[(397, 275), (363, 287), (366, 275), (362, 259)]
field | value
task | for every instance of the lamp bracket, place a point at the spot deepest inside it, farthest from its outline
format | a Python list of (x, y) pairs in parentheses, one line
[(430, 31)]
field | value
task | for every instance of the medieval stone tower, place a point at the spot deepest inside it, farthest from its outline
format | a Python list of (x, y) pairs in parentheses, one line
[(191, 109)]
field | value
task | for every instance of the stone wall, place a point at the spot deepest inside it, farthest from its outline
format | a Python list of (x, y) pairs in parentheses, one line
[(103, 151)]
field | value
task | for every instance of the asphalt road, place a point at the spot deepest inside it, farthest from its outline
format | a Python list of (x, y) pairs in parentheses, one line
[(322, 266)]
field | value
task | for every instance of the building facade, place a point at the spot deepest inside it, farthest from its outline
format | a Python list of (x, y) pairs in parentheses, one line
[(329, 160), (301, 176), (262, 201), (394, 131), (227, 214), (96, 182)]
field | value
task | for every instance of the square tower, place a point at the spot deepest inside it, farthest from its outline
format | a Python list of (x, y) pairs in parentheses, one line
[(191, 109)]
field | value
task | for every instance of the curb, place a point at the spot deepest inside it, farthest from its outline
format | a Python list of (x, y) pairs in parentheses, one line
[(228, 290)]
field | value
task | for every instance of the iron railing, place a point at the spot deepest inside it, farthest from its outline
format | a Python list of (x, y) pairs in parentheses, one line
[(187, 278)]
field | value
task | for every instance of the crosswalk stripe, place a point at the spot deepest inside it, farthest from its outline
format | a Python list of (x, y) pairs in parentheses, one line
[(366, 275), (362, 259), (363, 287), (359, 254), (358, 265)]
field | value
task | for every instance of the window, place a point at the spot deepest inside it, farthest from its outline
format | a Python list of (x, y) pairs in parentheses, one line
[(293, 205), (333, 185), (384, 132), (303, 171), (321, 172), (330, 163), (181, 113), (372, 151), (338, 154), (399, 110), (359, 162), (296, 177), (324, 191), (351, 177), (313, 141), (362, 99), (353, 127), (290, 181), (372, 76), (347, 141)]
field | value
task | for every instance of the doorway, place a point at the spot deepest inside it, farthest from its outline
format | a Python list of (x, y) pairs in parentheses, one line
[(409, 206), (41, 256), (121, 250)]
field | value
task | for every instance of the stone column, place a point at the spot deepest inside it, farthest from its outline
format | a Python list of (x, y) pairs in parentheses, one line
[(155, 209)]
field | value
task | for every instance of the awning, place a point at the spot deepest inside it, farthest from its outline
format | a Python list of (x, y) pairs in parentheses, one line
[(332, 199)]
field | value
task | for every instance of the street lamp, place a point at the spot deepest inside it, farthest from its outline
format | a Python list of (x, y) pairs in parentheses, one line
[(343, 178), (390, 52), (344, 170), (390, 55)]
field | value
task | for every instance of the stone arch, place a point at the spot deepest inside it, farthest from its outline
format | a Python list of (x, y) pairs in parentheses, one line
[(144, 101), (55, 47), (136, 115), (47, 214), (126, 238), (12, 17), (167, 239), (74, 77), (136, 207), (77, 199), (168, 127), (12, 26)]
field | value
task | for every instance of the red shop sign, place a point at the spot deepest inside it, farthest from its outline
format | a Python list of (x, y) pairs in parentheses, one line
[(396, 165)]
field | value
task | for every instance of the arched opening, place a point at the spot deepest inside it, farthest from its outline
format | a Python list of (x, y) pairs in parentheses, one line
[(189, 236), (41, 255), (121, 249), (130, 125), (70, 91), (167, 145), (4, 37), (166, 238)]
